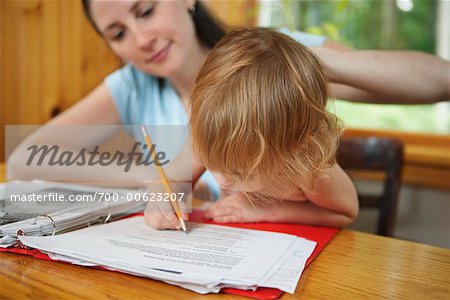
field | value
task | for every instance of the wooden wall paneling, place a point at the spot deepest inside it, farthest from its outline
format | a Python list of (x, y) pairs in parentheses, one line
[(10, 12), (70, 60), (97, 60), (234, 13), (29, 62), (50, 34), (5, 78), (50, 58)]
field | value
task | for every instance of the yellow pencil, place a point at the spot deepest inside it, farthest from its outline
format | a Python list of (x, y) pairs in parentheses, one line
[(163, 177)]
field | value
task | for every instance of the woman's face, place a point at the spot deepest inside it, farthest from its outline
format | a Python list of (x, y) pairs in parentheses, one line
[(157, 37)]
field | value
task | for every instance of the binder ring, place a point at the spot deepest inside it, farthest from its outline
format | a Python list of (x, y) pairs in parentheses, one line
[(109, 212), (47, 217), (18, 244)]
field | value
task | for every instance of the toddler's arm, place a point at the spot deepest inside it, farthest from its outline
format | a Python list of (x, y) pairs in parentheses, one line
[(333, 202)]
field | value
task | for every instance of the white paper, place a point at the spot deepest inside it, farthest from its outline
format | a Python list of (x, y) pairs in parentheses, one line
[(287, 276), (206, 259)]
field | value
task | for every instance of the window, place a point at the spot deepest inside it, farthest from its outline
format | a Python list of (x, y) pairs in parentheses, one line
[(372, 24)]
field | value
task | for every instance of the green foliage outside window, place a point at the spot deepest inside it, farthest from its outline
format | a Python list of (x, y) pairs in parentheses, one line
[(371, 24)]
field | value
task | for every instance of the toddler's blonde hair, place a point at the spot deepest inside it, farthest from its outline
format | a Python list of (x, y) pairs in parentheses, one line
[(258, 112)]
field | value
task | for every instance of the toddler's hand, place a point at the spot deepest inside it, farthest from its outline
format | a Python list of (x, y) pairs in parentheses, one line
[(236, 208), (160, 215)]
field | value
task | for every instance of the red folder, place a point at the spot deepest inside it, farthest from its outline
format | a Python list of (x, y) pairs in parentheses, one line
[(321, 235)]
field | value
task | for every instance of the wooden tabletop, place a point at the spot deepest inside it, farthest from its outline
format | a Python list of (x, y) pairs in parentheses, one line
[(354, 265)]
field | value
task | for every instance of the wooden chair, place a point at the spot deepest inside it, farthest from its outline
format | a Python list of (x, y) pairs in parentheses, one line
[(376, 154)]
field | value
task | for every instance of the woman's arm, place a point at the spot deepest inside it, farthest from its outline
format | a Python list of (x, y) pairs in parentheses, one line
[(394, 77), (97, 108)]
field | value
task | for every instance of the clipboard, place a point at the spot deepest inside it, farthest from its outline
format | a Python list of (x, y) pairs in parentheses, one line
[(321, 235)]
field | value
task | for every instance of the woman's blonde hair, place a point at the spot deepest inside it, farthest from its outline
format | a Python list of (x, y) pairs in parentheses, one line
[(258, 111)]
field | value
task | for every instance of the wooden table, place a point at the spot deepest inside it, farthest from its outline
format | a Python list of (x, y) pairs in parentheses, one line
[(354, 265)]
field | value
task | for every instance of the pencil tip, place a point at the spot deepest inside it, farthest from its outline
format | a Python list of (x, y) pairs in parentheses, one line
[(183, 225)]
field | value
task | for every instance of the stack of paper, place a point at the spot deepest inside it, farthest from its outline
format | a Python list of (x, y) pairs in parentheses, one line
[(22, 202), (205, 260)]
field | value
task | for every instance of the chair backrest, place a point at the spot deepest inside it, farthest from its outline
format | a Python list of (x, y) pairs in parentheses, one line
[(376, 154)]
